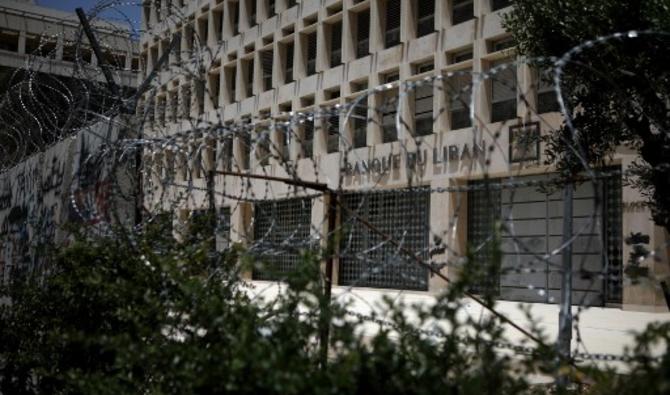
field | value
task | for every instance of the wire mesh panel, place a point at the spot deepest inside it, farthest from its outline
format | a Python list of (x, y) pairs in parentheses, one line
[(532, 219), (614, 238), (281, 231), (483, 214), (366, 258)]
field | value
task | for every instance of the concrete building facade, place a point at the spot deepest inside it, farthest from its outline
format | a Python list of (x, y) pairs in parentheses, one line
[(372, 97)]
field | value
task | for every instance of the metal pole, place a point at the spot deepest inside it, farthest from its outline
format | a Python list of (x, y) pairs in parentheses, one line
[(212, 211), (565, 314), (328, 280), (98, 52)]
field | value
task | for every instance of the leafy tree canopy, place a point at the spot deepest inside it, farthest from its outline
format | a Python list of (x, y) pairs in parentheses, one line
[(616, 92)]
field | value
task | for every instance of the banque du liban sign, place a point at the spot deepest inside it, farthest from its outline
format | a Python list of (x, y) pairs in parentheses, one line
[(446, 154)]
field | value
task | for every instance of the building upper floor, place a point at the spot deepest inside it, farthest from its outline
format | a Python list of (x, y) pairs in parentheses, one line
[(52, 41)]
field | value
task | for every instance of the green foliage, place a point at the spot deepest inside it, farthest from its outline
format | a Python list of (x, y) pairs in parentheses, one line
[(616, 93), (145, 314)]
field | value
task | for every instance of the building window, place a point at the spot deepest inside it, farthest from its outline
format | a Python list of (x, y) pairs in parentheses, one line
[(388, 109), (536, 217), (503, 91), (392, 31), (423, 110), (500, 44), (288, 60), (365, 259), (231, 79), (458, 90), (266, 62), (214, 84), (262, 148), (235, 12), (498, 4), (425, 17), (460, 56), (225, 154), (249, 76), (336, 44), (223, 228), (363, 29), (360, 124), (308, 138), (217, 19), (310, 41), (281, 231), (333, 135), (272, 8), (461, 11), (547, 101), (251, 12), (245, 149)]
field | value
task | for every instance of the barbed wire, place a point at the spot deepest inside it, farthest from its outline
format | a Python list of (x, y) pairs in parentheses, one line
[(191, 154)]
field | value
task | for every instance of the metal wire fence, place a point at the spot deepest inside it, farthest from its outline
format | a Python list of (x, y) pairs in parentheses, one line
[(426, 182)]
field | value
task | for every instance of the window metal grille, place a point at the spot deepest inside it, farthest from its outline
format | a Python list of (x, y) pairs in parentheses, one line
[(363, 28), (336, 44), (281, 231), (392, 34), (366, 260), (483, 215), (423, 110), (613, 238), (426, 17), (360, 119), (289, 62), (266, 61), (458, 97), (503, 92), (333, 143), (498, 4), (311, 53), (461, 11), (533, 220)]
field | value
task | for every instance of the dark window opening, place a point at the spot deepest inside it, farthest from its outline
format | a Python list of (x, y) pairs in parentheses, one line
[(363, 28), (336, 44), (333, 136), (423, 110), (311, 53), (458, 92), (503, 92), (425, 17), (461, 11), (266, 61), (392, 32)]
